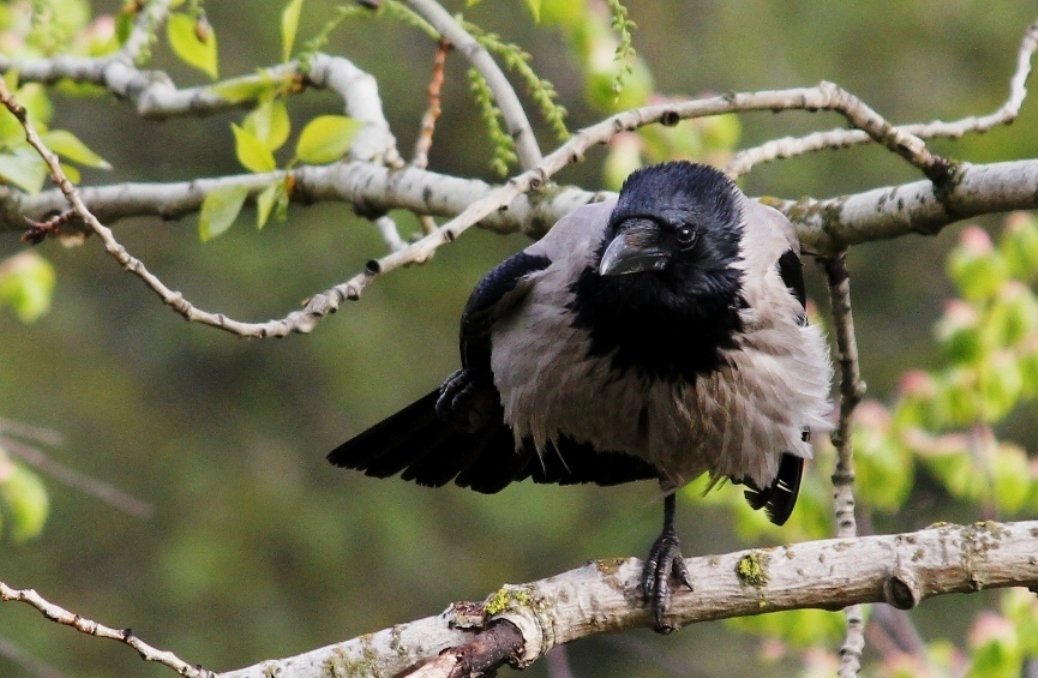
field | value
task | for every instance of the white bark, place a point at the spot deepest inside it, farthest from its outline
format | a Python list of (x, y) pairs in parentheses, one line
[(603, 596)]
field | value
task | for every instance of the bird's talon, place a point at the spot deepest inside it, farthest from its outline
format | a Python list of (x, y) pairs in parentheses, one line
[(665, 560)]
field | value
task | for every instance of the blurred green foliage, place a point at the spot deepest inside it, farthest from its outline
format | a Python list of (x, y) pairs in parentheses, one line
[(256, 540)]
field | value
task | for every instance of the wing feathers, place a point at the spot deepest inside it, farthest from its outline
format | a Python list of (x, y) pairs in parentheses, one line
[(424, 449)]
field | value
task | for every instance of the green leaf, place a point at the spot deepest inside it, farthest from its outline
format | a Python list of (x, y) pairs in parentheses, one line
[(219, 210), (269, 123), (326, 138), (193, 41), (242, 89), (885, 471), (289, 27), (33, 96), (67, 145), (1001, 385), (252, 153), (977, 269), (1011, 477), (24, 168), (26, 285), (24, 500), (71, 173), (265, 202), (535, 9)]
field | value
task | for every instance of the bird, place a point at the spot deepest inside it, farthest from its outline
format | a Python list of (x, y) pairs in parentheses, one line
[(658, 335)]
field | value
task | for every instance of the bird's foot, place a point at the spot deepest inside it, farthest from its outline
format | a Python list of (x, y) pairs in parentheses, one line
[(466, 401), (664, 560)]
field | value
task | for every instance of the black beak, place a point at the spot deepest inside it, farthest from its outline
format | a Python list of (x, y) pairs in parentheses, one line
[(637, 247)]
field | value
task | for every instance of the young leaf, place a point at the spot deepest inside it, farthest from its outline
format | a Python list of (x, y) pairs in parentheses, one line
[(67, 145), (326, 138), (219, 210), (265, 202), (26, 285), (188, 44), (237, 90), (25, 501), (252, 153), (24, 169), (289, 27), (535, 9), (71, 172), (269, 123)]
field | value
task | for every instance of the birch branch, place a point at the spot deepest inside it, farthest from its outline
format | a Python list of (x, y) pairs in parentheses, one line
[(60, 615), (156, 97), (852, 390), (945, 180), (604, 597), (790, 147)]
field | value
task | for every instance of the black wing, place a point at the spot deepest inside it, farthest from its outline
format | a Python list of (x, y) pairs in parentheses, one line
[(432, 449), (779, 498)]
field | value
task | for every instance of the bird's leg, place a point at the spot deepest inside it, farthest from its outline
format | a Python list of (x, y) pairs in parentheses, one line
[(664, 560)]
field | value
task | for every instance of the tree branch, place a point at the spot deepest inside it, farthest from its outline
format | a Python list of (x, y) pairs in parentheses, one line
[(504, 95), (60, 615), (852, 390), (603, 596), (790, 147)]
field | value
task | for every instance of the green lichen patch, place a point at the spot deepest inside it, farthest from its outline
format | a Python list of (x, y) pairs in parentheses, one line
[(752, 569), (504, 599), (609, 566)]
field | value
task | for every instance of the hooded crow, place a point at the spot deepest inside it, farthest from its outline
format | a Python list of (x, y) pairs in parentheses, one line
[(660, 335)]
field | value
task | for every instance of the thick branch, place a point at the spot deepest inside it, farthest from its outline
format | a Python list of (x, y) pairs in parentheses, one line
[(824, 225), (603, 596)]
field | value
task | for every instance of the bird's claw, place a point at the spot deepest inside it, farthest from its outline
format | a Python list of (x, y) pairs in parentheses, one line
[(664, 560), (464, 401)]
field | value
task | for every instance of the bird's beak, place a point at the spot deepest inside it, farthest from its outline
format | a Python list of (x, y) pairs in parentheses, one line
[(638, 247)]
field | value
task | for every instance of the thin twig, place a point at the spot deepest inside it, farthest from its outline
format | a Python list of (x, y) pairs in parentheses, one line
[(36, 434), (390, 233), (852, 390), (429, 119), (33, 665), (142, 35), (507, 101), (100, 490), (60, 615), (790, 147), (433, 110)]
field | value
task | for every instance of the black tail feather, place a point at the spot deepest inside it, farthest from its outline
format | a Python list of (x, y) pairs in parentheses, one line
[(429, 451), (446, 458), (780, 497), (389, 446)]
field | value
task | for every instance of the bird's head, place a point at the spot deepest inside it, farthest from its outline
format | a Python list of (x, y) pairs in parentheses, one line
[(680, 220)]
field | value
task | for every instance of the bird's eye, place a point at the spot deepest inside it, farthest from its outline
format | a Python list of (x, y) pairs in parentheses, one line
[(685, 236)]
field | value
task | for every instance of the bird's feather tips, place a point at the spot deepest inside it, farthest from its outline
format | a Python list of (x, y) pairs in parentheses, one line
[(779, 498), (387, 447)]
